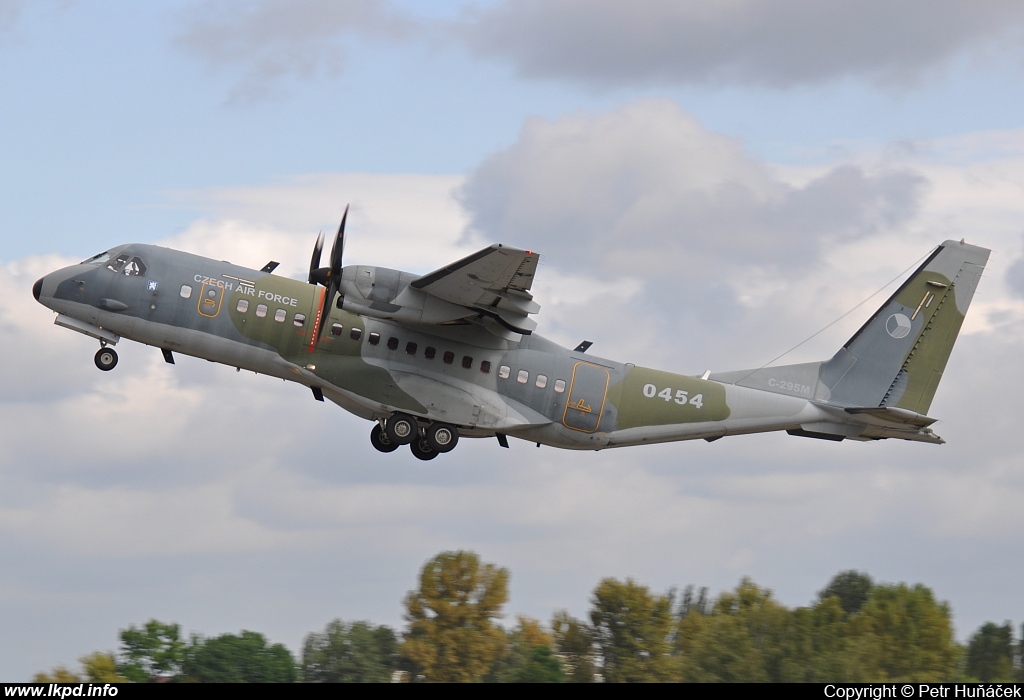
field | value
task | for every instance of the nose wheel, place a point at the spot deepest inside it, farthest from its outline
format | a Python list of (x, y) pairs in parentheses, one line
[(106, 359)]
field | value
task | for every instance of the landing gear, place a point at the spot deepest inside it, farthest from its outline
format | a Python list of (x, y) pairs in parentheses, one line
[(379, 439), (106, 359), (442, 437), (422, 449), (402, 429)]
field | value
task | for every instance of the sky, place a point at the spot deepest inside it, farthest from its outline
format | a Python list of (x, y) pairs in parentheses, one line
[(708, 185)]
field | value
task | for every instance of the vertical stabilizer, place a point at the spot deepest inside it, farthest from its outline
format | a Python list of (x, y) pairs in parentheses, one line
[(897, 358)]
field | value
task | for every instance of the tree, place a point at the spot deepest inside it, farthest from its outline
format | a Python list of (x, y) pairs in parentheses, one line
[(451, 635), (101, 667), (990, 654), (59, 674), (350, 653), (574, 642), (852, 588), (243, 658), (528, 657), (632, 629), (154, 650), (902, 634)]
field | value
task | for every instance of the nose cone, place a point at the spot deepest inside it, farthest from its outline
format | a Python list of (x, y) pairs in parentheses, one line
[(37, 287)]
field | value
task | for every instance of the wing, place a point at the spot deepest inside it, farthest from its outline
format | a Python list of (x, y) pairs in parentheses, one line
[(494, 282)]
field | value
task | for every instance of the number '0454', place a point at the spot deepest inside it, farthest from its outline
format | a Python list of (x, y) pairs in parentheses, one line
[(680, 396)]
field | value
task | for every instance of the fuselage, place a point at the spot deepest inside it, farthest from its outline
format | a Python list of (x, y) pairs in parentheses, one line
[(517, 385)]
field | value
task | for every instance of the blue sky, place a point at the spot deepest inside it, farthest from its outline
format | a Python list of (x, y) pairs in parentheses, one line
[(707, 184)]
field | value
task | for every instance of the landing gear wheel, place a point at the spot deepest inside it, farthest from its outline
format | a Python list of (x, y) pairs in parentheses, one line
[(379, 439), (106, 359), (442, 437), (402, 429), (421, 448)]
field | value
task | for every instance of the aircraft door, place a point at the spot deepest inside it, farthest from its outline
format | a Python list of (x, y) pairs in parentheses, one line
[(210, 297), (587, 392)]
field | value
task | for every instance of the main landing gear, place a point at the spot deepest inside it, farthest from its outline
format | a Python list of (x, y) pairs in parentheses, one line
[(106, 358), (403, 429)]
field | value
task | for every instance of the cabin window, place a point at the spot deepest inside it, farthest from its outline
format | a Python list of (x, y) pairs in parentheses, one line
[(280, 315), (449, 357), (429, 352), (243, 306), (410, 348), (101, 258), (467, 362), (523, 376), (504, 371), (392, 343), (560, 385), (355, 333), (485, 366), (261, 310), (299, 320), (374, 338), (542, 381), (186, 291), (336, 329)]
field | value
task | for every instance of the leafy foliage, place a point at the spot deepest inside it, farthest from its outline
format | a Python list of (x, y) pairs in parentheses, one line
[(243, 658), (632, 629), (350, 653), (154, 650), (452, 635)]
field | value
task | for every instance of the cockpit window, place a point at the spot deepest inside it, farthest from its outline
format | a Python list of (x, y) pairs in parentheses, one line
[(128, 265), (97, 259)]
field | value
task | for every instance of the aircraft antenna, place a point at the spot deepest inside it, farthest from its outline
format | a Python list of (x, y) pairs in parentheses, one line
[(840, 318)]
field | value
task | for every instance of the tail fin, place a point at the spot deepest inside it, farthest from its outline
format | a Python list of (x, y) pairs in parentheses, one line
[(897, 358)]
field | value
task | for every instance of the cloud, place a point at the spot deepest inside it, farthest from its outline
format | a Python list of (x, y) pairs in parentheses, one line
[(276, 39), (770, 43)]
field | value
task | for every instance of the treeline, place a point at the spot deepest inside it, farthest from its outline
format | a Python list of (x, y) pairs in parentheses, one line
[(856, 631)]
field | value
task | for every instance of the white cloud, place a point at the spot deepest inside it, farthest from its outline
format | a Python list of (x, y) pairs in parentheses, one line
[(773, 43)]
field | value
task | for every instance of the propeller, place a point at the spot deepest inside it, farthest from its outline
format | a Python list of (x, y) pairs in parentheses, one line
[(329, 277)]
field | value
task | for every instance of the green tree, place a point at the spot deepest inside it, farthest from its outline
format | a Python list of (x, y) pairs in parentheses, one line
[(452, 635), (902, 634), (243, 658), (852, 588), (574, 642), (990, 654), (101, 667), (632, 629), (350, 653), (528, 657), (154, 650)]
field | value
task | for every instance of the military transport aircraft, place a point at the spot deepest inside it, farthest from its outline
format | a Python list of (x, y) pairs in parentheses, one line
[(432, 358)]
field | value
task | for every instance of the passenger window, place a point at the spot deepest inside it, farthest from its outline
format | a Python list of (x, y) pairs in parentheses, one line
[(467, 362), (186, 291), (410, 348), (485, 366), (504, 371), (559, 385), (299, 320), (429, 352), (392, 343), (243, 306), (261, 310), (356, 334), (523, 376), (449, 357), (336, 329), (542, 381), (280, 315), (374, 338)]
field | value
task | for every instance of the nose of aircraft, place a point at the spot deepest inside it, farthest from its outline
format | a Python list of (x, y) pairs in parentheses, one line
[(37, 287)]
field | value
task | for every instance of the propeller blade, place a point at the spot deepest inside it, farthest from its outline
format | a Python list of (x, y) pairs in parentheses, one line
[(314, 262), (333, 282)]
